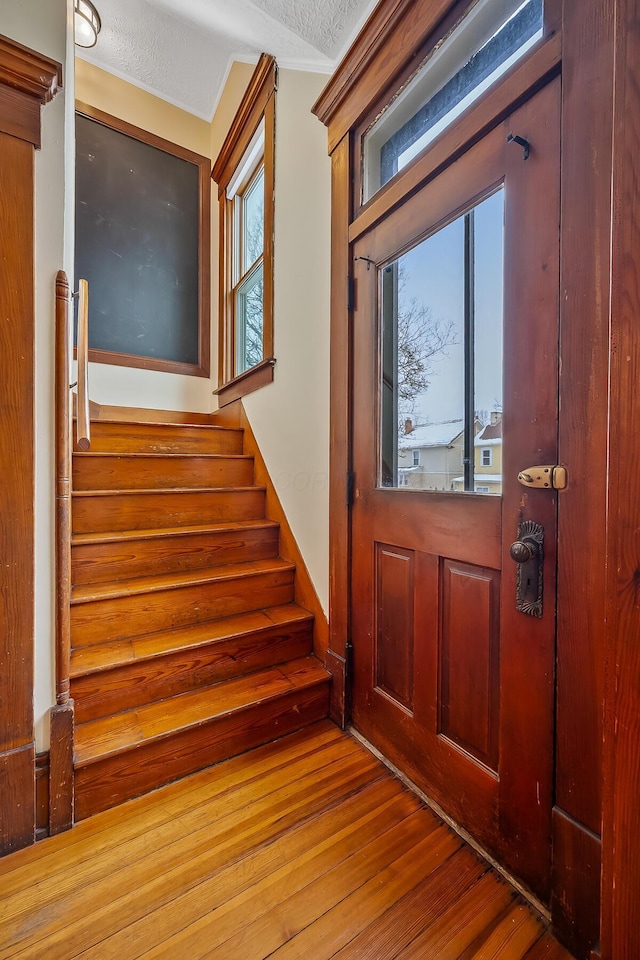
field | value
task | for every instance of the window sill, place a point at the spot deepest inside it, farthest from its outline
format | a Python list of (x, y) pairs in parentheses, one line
[(253, 379)]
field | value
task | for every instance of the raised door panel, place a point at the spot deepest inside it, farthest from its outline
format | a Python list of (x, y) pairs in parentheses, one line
[(469, 660), (394, 622)]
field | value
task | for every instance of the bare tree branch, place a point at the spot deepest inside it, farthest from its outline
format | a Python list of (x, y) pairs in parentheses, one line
[(422, 342)]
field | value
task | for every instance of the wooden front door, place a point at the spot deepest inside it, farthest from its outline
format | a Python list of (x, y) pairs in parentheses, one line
[(455, 393)]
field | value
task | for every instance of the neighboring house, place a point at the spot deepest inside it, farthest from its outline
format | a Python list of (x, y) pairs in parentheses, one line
[(430, 456), (487, 459)]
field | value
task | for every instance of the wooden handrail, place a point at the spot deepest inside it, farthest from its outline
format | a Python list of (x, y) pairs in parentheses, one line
[(83, 428), (63, 492)]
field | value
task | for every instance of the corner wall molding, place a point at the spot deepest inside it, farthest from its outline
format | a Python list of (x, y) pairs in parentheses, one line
[(28, 80), (29, 72)]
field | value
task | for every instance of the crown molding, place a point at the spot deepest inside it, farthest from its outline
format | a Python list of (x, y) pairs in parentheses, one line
[(28, 80), (29, 72)]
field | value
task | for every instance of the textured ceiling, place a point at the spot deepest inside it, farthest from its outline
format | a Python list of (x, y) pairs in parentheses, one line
[(181, 49)]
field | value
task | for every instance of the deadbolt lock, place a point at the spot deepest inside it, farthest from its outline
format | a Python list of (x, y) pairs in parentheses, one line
[(548, 476)]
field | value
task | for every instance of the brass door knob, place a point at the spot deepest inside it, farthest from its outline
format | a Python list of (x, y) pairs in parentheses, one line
[(522, 551)]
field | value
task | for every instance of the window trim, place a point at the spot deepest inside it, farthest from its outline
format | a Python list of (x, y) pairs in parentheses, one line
[(258, 104), (484, 450), (203, 164)]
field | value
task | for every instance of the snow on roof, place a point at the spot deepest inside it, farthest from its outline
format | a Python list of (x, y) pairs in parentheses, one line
[(481, 478), (480, 441), (432, 435)]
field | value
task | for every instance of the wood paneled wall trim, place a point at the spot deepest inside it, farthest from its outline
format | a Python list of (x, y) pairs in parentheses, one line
[(621, 838), (340, 417), (27, 81)]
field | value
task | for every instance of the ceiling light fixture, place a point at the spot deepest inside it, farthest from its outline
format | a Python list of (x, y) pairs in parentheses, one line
[(87, 23)]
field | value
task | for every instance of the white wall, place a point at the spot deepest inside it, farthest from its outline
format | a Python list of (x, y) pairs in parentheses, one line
[(290, 417), (45, 26)]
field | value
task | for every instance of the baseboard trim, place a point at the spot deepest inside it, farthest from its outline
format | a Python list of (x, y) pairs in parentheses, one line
[(305, 592), (337, 667), (575, 891), (61, 768), (42, 795), (17, 798)]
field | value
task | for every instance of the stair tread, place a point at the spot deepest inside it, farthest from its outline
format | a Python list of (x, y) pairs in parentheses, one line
[(163, 491), (143, 455), (109, 590), (119, 653), (163, 423), (108, 736), (117, 536)]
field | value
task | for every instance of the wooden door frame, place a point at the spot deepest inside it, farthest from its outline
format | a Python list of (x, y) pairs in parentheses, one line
[(27, 81), (595, 614)]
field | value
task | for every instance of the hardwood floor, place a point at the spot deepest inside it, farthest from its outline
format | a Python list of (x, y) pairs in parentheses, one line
[(304, 848)]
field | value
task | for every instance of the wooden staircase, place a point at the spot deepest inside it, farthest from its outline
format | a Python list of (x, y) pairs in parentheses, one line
[(187, 645)]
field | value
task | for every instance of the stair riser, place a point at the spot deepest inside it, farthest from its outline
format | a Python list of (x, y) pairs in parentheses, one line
[(94, 563), (138, 511), (135, 684), (153, 438), (98, 621), (104, 783), (159, 473)]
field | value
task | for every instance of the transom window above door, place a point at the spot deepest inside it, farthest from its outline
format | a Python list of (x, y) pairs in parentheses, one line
[(491, 37)]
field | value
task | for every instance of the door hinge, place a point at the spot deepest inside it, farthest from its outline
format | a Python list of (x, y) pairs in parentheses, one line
[(348, 661), (351, 294), (351, 482)]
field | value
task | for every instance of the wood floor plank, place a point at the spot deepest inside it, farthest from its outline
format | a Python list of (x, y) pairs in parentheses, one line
[(458, 926), (384, 935), (284, 915), (512, 936), (305, 849), (231, 782), (547, 948), (90, 912), (345, 827)]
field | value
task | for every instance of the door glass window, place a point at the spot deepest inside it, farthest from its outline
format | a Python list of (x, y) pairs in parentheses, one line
[(493, 36), (441, 358)]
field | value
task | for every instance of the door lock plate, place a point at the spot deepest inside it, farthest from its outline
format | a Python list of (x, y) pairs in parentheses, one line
[(548, 476), (528, 553)]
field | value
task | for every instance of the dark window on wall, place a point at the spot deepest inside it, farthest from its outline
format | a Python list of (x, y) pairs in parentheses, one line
[(143, 244)]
